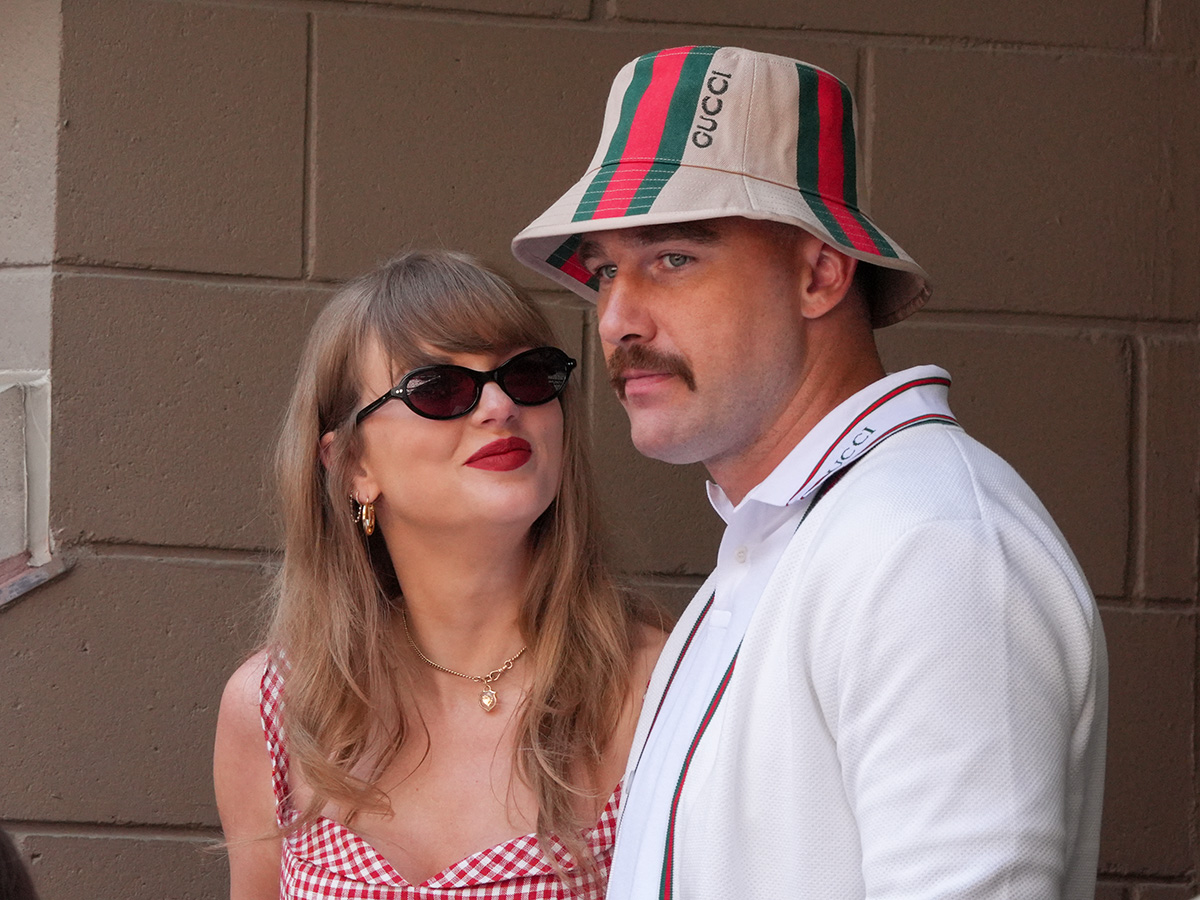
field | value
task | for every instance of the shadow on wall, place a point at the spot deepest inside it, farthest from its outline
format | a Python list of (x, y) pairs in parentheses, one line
[(15, 881)]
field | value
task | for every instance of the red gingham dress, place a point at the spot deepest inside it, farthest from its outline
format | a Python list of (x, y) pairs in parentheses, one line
[(328, 861)]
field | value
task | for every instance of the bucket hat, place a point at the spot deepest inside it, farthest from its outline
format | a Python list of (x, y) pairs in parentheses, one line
[(702, 132)]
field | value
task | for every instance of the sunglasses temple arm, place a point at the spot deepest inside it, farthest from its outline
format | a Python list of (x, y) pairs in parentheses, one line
[(372, 406)]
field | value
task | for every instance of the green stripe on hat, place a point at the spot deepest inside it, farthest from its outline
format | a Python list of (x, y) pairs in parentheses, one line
[(652, 184), (642, 72), (849, 149), (683, 104)]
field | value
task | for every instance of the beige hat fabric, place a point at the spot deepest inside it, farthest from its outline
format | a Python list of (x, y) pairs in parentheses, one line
[(706, 132)]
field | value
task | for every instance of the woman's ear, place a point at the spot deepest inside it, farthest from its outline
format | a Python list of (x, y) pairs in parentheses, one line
[(326, 448), (363, 486)]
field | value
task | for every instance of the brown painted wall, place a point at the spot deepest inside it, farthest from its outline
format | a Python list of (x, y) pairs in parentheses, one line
[(219, 165)]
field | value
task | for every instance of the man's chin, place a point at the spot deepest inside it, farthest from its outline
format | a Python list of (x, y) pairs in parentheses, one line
[(660, 444)]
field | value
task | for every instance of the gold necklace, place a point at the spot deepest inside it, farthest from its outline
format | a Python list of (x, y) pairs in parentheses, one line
[(488, 699)]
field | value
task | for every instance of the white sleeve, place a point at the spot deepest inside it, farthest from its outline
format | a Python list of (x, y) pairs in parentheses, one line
[(965, 688)]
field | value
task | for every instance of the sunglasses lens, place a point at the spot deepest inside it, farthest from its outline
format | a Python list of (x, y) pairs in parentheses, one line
[(441, 393), (537, 376), (447, 392)]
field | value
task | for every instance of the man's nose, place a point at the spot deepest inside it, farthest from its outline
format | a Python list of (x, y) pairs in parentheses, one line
[(622, 313)]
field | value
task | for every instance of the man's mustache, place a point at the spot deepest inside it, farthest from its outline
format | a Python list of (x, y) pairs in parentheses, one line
[(643, 358)]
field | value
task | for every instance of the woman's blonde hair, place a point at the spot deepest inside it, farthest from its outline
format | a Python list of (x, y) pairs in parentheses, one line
[(335, 598)]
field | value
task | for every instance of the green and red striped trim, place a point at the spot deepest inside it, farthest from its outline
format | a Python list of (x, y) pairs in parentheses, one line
[(651, 134), (926, 419), (671, 678), (895, 392), (566, 259), (826, 165), (666, 885)]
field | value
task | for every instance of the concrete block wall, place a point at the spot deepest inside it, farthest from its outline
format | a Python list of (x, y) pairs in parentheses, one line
[(208, 170)]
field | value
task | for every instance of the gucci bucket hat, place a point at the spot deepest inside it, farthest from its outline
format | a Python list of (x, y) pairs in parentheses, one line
[(706, 132)]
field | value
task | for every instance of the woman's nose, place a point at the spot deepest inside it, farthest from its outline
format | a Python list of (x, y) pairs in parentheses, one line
[(494, 404)]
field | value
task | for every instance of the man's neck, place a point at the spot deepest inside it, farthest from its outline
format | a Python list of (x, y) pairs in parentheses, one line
[(826, 384)]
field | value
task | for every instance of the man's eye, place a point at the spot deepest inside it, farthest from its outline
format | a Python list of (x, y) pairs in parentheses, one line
[(675, 260), (607, 271)]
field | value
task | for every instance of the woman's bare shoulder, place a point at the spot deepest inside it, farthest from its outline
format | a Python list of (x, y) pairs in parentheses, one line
[(245, 796), (240, 739), (241, 763), (240, 700)]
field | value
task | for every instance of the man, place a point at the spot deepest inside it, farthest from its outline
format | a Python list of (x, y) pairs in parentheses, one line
[(894, 684)]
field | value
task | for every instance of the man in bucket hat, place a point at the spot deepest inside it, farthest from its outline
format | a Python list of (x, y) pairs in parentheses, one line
[(894, 682)]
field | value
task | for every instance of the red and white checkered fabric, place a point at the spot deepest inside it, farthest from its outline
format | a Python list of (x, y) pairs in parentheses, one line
[(328, 861)]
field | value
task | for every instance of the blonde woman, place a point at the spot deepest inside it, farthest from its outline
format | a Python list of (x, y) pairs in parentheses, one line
[(449, 688)]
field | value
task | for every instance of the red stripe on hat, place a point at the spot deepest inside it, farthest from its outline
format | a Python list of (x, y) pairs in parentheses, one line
[(645, 134), (831, 161), (576, 269)]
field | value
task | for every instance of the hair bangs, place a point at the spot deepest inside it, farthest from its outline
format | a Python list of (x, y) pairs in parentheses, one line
[(450, 304)]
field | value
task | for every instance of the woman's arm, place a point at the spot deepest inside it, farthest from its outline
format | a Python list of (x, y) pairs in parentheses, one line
[(245, 799), (648, 642)]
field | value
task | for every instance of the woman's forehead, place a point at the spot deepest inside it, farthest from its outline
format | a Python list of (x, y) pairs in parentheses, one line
[(427, 354)]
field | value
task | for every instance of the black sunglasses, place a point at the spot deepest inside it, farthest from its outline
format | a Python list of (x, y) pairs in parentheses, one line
[(447, 392)]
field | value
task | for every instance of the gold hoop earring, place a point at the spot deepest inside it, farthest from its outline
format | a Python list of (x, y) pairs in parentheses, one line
[(364, 515)]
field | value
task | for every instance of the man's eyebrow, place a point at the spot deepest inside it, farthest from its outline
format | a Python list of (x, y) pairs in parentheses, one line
[(587, 249), (697, 232)]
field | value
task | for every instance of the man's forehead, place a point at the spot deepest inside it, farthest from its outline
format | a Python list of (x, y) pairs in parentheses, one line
[(705, 231)]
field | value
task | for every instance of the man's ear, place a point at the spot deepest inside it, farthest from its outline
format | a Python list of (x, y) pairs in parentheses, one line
[(831, 273)]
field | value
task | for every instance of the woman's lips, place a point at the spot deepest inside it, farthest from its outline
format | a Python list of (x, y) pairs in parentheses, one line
[(503, 455)]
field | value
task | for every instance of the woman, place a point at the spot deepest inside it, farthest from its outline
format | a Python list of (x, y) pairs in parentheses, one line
[(451, 680)]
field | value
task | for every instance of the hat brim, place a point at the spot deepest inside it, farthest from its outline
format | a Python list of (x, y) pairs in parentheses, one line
[(692, 193)]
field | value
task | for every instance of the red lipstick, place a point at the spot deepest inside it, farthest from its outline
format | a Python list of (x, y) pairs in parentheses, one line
[(503, 455)]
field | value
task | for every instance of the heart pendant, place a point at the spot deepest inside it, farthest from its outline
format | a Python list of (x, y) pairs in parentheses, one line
[(487, 699)]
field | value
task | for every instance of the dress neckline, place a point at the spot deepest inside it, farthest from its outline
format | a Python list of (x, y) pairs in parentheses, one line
[(517, 857)]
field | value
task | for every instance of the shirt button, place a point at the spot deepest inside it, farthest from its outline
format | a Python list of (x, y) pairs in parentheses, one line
[(741, 554)]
